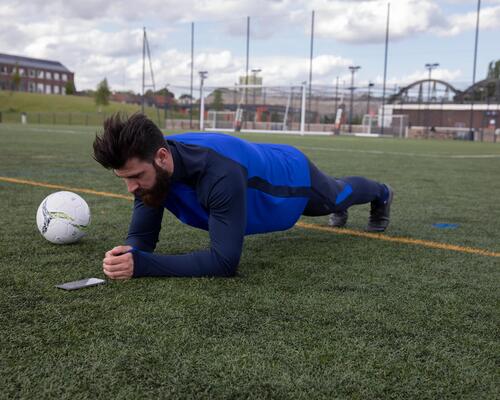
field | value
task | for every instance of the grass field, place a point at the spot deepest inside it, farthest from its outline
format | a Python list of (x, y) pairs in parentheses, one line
[(312, 314), (60, 110)]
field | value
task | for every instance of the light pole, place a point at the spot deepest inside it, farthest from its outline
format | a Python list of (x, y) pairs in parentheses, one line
[(353, 69), (370, 85), (203, 76), (255, 71), (471, 124), (430, 67)]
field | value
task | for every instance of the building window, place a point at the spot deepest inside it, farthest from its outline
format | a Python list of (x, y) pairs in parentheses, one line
[(31, 73), (48, 75), (40, 88), (4, 69), (64, 77), (56, 76), (32, 87), (56, 89), (40, 74), (22, 71), (48, 89), (63, 90)]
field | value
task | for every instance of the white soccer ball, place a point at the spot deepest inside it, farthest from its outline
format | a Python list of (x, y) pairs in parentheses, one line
[(63, 217)]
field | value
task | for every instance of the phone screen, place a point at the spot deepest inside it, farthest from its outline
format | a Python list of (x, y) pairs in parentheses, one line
[(81, 284)]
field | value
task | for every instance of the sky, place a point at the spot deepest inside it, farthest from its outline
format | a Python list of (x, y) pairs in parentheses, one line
[(99, 39)]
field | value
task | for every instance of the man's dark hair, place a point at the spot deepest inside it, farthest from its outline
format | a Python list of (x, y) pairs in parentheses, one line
[(126, 137)]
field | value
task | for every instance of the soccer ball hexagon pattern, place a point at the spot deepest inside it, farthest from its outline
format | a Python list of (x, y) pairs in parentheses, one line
[(63, 217)]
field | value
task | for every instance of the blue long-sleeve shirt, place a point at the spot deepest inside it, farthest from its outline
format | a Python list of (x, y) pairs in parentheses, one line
[(229, 187)]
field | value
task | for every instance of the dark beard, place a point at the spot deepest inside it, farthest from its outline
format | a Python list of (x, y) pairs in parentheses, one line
[(155, 196)]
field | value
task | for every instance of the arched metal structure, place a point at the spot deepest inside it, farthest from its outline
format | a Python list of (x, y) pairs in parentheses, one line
[(487, 90), (402, 95)]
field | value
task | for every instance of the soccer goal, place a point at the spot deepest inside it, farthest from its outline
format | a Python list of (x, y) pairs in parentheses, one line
[(394, 125), (220, 120), (257, 108)]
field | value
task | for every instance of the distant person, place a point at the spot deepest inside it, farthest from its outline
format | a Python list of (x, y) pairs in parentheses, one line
[(222, 184)]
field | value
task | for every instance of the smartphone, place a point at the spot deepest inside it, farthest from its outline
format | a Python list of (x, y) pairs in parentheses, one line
[(81, 284)]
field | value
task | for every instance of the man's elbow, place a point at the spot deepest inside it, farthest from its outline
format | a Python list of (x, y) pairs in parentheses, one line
[(228, 265)]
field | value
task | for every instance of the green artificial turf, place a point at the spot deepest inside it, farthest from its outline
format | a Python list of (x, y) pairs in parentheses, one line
[(311, 314)]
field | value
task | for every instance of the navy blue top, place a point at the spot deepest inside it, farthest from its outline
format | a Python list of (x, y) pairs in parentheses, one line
[(229, 187)]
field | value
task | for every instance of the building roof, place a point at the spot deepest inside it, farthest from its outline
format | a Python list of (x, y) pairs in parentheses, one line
[(33, 63)]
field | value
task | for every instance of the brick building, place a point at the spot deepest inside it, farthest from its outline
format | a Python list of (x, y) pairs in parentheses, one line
[(448, 115), (36, 76)]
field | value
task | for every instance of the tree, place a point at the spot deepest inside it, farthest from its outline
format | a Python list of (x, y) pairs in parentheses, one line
[(16, 78), (217, 102), (102, 94), (185, 97), (493, 70), (70, 88), (165, 92)]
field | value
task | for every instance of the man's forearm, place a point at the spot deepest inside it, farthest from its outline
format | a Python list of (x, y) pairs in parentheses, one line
[(207, 263), (144, 227)]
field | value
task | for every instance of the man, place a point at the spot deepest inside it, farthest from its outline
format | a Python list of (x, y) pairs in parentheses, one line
[(222, 184)]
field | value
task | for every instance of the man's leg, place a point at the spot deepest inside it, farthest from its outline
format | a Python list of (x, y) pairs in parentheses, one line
[(335, 195)]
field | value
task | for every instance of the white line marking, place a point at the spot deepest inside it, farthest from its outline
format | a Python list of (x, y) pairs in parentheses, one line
[(379, 152), (476, 156)]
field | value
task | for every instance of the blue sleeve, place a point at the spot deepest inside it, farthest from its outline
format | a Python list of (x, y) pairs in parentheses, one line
[(145, 226), (226, 226)]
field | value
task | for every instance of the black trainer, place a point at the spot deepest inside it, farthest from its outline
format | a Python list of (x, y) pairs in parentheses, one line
[(380, 214), (338, 219)]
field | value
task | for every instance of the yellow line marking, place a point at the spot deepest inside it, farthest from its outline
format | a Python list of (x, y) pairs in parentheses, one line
[(52, 186), (341, 231), (418, 242)]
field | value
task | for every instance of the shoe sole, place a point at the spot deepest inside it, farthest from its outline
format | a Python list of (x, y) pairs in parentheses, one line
[(389, 201)]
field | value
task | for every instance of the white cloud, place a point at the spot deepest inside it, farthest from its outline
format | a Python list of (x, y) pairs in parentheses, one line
[(225, 68), (12, 38), (97, 38), (489, 18), (292, 70), (365, 21), (439, 73)]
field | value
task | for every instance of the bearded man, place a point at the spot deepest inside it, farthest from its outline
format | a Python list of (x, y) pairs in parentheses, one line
[(222, 184)]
